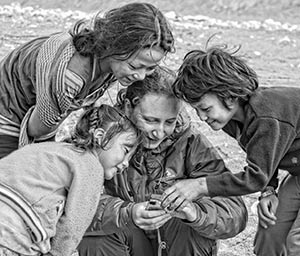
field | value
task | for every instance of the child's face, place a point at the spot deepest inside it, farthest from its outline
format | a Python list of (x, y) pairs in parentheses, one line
[(138, 66), (211, 110), (115, 157)]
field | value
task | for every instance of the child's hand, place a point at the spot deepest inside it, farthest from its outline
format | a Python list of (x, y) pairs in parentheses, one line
[(266, 210), (148, 219), (189, 189)]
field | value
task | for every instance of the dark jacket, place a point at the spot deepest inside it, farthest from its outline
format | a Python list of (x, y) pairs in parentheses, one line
[(186, 154), (270, 136)]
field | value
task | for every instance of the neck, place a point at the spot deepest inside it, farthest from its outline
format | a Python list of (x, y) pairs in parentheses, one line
[(104, 66), (239, 114)]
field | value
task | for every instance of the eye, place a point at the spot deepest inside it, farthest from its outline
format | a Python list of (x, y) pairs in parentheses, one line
[(127, 150), (132, 66), (150, 69), (170, 122), (149, 120), (205, 109)]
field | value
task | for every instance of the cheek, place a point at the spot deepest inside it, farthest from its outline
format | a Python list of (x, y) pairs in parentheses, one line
[(143, 126), (170, 129)]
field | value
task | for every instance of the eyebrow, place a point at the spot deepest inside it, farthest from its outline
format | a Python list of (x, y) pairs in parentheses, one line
[(143, 66), (130, 145)]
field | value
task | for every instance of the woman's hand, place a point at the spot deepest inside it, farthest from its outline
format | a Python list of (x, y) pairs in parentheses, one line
[(149, 219), (187, 212), (266, 210)]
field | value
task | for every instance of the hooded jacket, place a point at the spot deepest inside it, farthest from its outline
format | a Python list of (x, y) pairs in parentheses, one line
[(186, 154)]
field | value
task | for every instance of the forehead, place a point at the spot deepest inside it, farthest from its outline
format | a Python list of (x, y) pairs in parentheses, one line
[(159, 105), (127, 137), (147, 56), (206, 100)]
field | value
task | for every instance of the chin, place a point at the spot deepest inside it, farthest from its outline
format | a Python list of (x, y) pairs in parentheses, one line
[(108, 176), (152, 145), (125, 83)]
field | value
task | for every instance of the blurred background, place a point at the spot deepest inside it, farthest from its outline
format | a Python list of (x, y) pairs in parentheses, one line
[(267, 32)]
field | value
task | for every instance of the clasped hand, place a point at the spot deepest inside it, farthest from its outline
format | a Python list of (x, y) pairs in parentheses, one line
[(266, 210)]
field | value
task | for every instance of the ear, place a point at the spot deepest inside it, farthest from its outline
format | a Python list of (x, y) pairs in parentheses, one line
[(98, 134), (128, 109), (231, 102)]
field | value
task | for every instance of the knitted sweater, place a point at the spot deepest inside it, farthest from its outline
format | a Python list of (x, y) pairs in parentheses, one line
[(54, 189)]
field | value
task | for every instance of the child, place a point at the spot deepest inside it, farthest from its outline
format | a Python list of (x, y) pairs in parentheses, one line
[(49, 191), (43, 80), (224, 91)]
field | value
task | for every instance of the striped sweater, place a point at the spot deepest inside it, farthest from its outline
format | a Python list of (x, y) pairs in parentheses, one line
[(53, 189)]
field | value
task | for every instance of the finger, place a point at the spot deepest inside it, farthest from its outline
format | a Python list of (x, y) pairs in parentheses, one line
[(183, 204), (155, 223), (264, 219), (170, 199), (263, 224), (168, 191), (176, 204), (151, 214), (268, 213)]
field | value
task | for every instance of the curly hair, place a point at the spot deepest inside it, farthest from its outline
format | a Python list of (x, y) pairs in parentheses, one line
[(159, 82), (217, 71), (122, 31), (106, 117)]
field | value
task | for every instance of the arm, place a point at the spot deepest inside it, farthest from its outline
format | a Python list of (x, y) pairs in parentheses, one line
[(220, 218), (201, 160), (36, 128), (216, 217), (57, 86), (113, 214), (81, 204), (269, 140)]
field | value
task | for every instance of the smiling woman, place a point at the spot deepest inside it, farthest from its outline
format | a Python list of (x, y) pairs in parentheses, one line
[(172, 153)]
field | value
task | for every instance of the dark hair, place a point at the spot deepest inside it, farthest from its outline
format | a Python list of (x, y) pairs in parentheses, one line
[(159, 82), (217, 71), (123, 31), (106, 117)]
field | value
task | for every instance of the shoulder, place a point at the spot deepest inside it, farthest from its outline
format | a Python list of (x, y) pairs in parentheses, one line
[(81, 66), (280, 103)]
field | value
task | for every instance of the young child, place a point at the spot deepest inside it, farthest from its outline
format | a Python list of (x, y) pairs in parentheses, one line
[(265, 121), (43, 80), (49, 191)]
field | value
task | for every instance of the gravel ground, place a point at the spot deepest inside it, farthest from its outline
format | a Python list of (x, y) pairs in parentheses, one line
[(270, 44)]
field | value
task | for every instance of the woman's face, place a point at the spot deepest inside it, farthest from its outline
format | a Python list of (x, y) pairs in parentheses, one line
[(141, 64), (156, 115)]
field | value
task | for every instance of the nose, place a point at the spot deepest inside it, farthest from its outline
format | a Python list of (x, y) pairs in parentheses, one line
[(201, 115), (140, 74), (159, 132), (122, 166)]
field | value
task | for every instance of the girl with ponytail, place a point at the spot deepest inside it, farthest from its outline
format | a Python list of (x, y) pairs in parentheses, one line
[(49, 191)]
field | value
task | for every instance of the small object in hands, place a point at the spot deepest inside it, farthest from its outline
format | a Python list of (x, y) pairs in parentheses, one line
[(154, 203)]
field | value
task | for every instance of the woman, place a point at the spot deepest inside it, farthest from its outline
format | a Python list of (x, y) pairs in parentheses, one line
[(46, 78), (126, 223)]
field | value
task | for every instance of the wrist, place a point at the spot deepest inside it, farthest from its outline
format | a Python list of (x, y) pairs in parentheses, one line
[(202, 189), (268, 191)]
